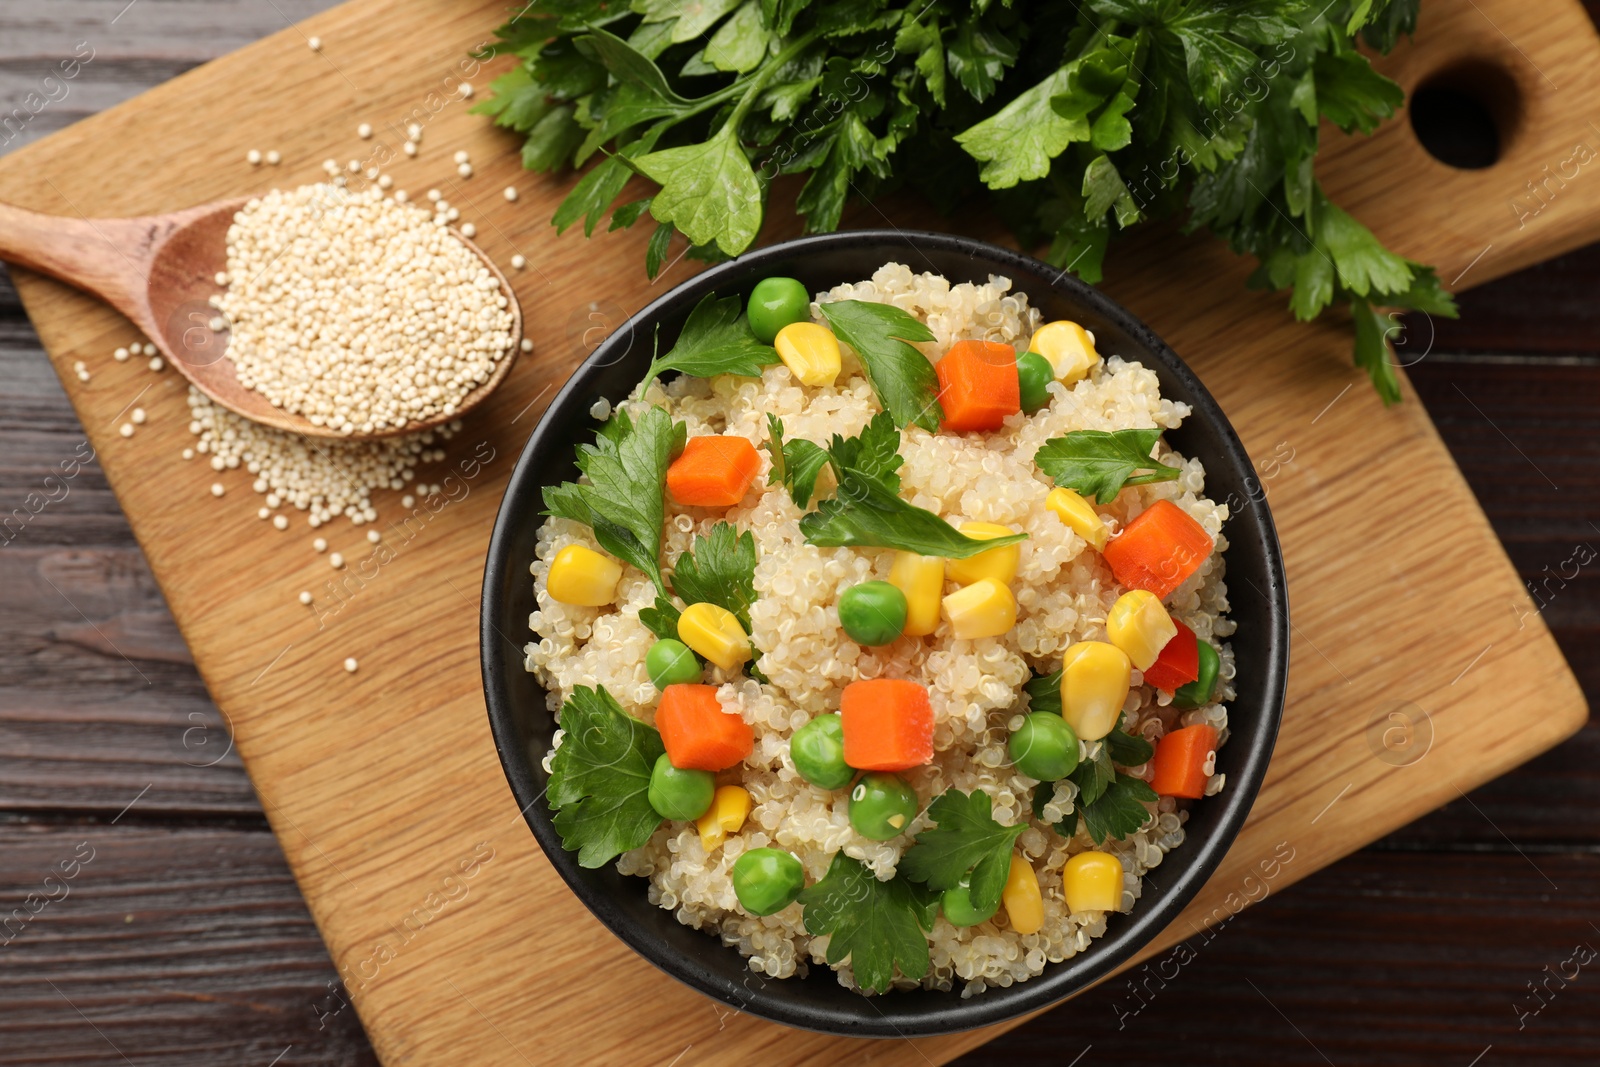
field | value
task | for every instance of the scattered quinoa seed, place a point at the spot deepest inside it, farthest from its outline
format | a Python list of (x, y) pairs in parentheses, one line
[(519, 261), (337, 561), (364, 131), (216, 489), (374, 536), (253, 157), (305, 598), (408, 501), (263, 513), (410, 148), (274, 158), (527, 344), (466, 89), (222, 277), (149, 349), (188, 453), (155, 363), (469, 230), (511, 192), (120, 355), (280, 522), (465, 170), (462, 157), (350, 664), (320, 544), (126, 429), (315, 43), (138, 416)]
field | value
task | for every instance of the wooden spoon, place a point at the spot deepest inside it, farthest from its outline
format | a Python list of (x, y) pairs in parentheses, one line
[(160, 271)]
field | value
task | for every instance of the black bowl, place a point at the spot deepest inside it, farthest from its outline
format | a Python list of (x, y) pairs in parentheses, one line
[(522, 726)]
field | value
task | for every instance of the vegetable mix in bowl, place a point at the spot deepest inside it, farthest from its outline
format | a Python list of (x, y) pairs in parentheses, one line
[(886, 635)]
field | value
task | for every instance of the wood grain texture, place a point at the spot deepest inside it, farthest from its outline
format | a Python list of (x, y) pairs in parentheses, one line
[(100, 932), (342, 780)]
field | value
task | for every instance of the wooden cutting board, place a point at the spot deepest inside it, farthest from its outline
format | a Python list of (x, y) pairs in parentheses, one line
[(1420, 666)]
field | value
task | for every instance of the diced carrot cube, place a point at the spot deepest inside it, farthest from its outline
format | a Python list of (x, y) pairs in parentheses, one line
[(1183, 762), (714, 471), (888, 724), (1159, 550), (698, 734), (978, 385)]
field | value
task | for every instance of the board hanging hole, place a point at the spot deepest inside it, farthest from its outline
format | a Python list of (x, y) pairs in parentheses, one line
[(1465, 115)]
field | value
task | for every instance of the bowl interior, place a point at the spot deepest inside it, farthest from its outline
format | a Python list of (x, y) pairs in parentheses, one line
[(523, 725)]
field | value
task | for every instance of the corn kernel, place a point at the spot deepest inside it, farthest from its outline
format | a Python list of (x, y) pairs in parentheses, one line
[(985, 608), (997, 563), (1140, 626), (1080, 517), (1024, 904), (730, 806), (715, 633), (579, 575), (921, 579), (1068, 347), (810, 351), (1093, 882), (1095, 679)]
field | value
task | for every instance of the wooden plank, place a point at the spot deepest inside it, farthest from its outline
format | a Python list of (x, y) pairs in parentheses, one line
[(370, 820), (1384, 959), (183, 947)]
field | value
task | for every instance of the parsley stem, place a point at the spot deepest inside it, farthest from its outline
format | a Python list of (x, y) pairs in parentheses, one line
[(760, 79)]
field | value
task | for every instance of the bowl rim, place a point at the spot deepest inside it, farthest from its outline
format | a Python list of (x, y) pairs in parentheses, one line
[(1199, 859)]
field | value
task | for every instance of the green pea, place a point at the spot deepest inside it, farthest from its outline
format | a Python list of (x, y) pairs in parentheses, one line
[(1034, 373), (767, 880), (957, 905), (882, 806), (670, 662), (1045, 747), (679, 794), (1198, 692), (817, 749), (873, 613), (774, 304)]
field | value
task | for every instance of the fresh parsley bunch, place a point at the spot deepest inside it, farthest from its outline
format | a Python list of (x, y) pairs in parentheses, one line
[(1074, 120)]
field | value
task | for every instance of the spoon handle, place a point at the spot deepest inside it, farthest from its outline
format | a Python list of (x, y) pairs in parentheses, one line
[(108, 257)]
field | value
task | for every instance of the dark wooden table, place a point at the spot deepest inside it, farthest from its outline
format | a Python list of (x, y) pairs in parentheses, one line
[(1468, 938)]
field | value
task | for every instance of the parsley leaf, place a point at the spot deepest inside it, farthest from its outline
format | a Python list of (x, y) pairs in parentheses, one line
[(599, 778), (1094, 462), (1128, 750), (1372, 349), (721, 570), (622, 502), (1093, 776), (708, 191), (902, 377), (1018, 142), (716, 339), (1044, 692), (1119, 811), (966, 838), (661, 618), (866, 510), (795, 463), (878, 925)]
